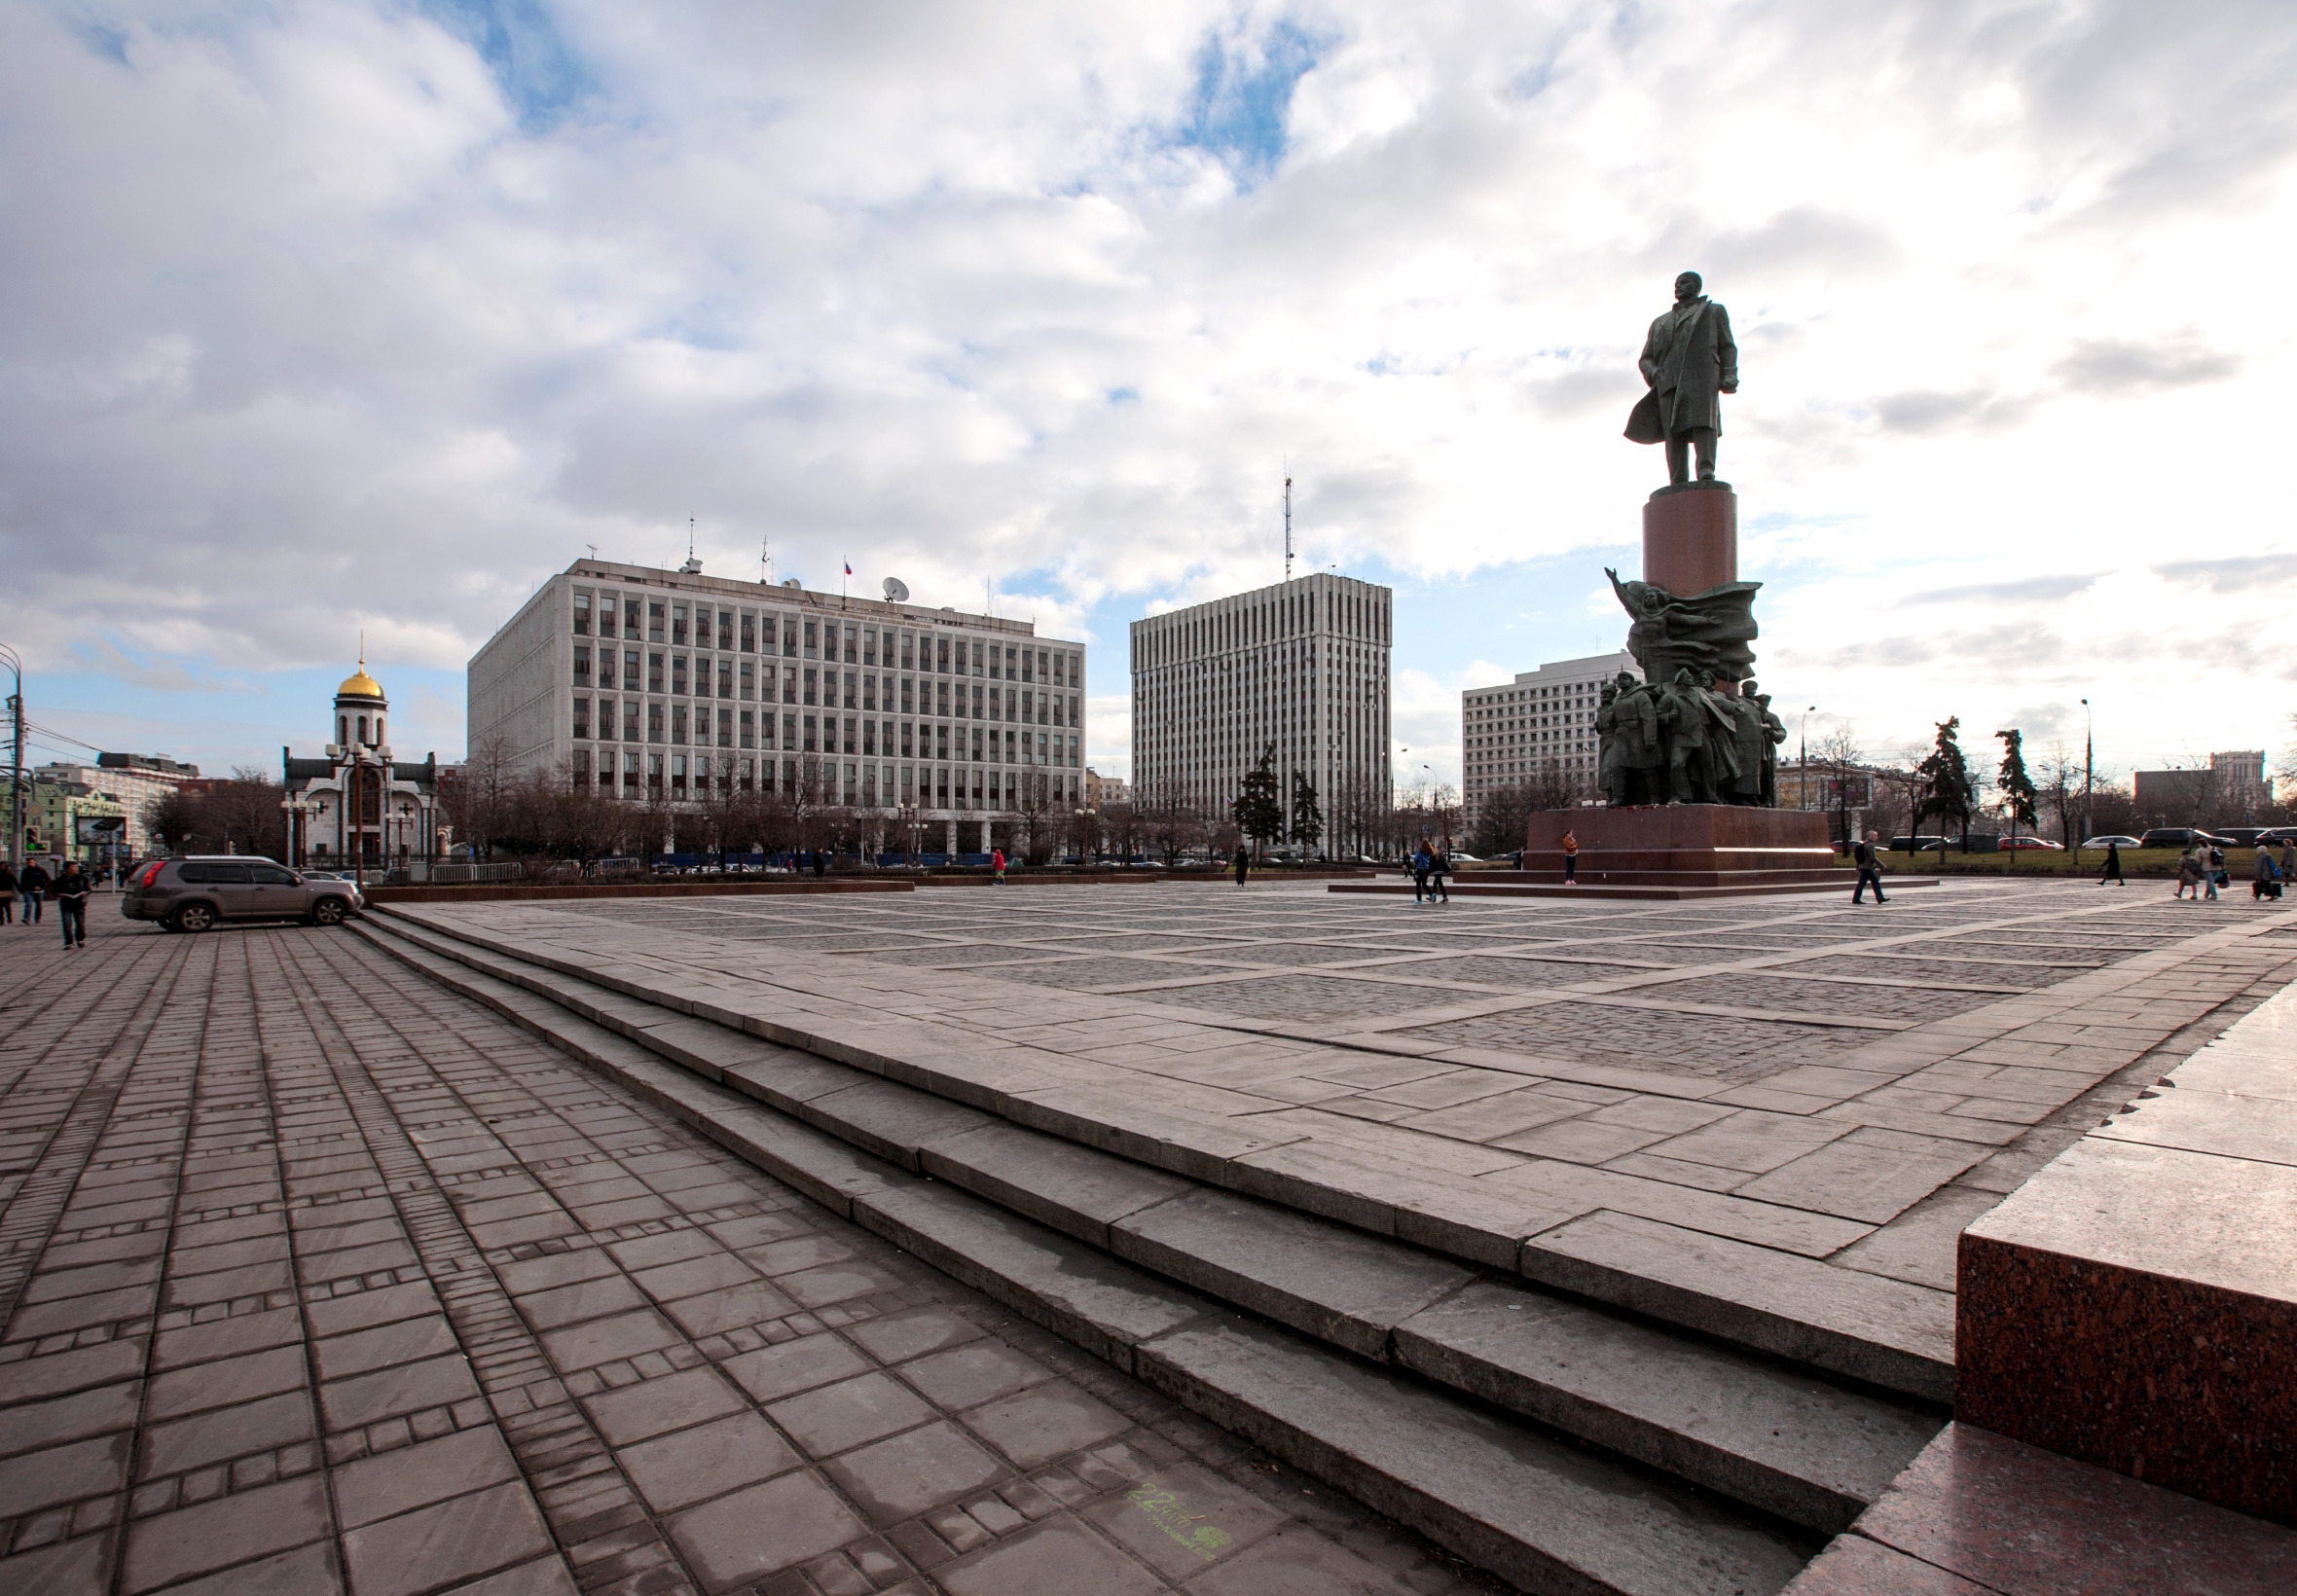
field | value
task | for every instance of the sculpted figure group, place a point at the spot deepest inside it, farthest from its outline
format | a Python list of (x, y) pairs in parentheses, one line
[(1680, 743)]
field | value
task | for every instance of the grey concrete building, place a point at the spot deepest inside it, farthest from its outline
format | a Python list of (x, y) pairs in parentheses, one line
[(1542, 721), (1301, 669), (671, 683)]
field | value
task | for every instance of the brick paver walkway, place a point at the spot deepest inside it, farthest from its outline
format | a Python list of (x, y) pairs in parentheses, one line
[(316, 1277)]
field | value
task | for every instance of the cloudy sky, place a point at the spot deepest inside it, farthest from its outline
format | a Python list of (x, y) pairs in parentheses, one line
[(318, 315)]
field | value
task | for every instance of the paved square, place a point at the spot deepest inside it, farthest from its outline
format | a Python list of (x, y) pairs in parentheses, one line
[(1846, 1086), (315, 1278)]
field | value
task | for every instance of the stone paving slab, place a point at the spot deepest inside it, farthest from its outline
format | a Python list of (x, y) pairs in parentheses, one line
[(1479, 1116), (316, 1279)]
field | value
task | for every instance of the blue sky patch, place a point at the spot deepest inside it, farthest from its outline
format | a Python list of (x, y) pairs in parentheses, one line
[(1242, 94), (539, 72)]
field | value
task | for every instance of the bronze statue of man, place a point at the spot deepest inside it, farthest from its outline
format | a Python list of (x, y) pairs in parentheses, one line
[(1689, 359)]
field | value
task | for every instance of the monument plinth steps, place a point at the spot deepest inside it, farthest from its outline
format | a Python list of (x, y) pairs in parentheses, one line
[(1562, 1442)]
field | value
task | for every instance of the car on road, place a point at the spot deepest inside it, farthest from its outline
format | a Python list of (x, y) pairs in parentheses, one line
[(2176, 836), (2023, 843), (192, 895), (2115, 841)]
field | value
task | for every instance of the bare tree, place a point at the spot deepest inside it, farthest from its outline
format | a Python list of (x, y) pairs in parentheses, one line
[(477, 800), (2059, 770), (1839, 752)]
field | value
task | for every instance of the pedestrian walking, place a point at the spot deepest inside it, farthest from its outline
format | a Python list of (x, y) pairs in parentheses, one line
[(820, 864), (2213, 869), (1870, 869), (2264, 876), (1244, 862), (72, 903), (1419, 874), (2188, 875), (2113, 865), (7, 894), (1570, 859), (30, 883), (1438, 867), (2289, 861), (997, 867)]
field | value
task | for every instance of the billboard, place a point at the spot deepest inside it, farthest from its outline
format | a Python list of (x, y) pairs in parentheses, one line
[(1850, 791)]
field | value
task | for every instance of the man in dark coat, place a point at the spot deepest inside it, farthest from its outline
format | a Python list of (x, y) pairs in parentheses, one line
[(1689, 359)]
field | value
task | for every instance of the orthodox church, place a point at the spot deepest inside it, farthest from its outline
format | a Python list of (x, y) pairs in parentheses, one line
[(358, 802)]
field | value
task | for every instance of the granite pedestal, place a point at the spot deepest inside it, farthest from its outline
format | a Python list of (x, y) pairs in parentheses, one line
[(1691, 537), (2135, 1304)]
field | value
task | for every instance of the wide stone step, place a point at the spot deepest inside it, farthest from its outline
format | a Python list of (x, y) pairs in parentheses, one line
[(1778, 1439), (1763, 1288), (1544, 1513)]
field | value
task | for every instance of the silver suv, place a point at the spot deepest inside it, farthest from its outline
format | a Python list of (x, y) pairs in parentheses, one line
[(192, 895)]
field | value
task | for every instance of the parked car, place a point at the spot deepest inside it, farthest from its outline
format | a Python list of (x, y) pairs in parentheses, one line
[(192, 895), (1910, 845), (2175, 836), (2241, 836), (2277, 835), (2022, 844), (2115, 841)]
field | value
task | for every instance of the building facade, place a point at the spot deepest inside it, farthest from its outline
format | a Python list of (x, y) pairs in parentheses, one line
[(2234, 785), (1299, 670), (668, 685), (137, 783), (66, 816), (357, 807), (1543, 723)]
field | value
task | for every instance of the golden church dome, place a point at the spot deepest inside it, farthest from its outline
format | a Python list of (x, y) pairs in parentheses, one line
[(360, 685)]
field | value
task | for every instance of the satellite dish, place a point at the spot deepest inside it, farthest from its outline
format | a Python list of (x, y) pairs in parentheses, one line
[(791, 582), (897, 590)]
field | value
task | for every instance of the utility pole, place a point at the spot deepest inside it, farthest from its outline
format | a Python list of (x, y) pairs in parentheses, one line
[(1288, 554)]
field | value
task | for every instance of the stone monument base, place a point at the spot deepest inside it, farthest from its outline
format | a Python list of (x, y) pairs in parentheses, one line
[(1681, 851)]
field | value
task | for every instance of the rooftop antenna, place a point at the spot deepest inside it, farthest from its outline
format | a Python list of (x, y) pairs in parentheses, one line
[(1287, 554), (765, 559), (594, 550), (692, 566)]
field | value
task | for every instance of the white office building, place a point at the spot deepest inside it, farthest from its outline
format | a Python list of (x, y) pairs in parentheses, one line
[(1299, 669), (672, 684), (1543, 721)]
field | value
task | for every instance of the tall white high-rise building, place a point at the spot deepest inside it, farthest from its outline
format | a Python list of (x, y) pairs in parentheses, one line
[(1299, 670), (670, 685), (1543, 721)]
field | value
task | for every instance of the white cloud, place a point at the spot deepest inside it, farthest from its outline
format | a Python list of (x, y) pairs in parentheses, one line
[(317, 318)]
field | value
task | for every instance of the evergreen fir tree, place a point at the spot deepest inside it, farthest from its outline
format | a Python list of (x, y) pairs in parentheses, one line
[(2016, 786), (1307, 817), (1258, 811), (1946, 781)]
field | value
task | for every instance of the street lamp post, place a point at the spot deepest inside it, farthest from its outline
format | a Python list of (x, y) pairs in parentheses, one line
[(2089, 765), (1803, 776)]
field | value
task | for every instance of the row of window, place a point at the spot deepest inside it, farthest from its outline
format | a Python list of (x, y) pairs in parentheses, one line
[(744, 681), (652, 722), (736, 629), (865, 784)]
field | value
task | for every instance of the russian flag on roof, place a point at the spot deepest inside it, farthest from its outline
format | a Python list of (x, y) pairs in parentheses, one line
[(849, 567)]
